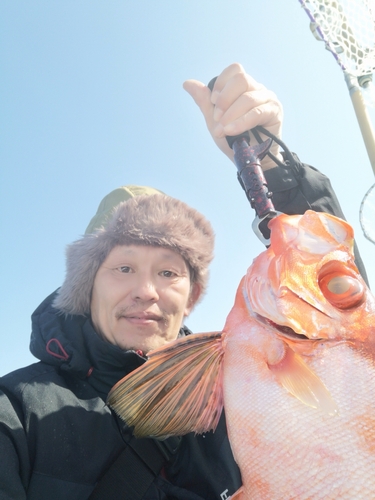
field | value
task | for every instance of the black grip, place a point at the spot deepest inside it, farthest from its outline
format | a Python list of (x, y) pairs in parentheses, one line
[(211, 83)]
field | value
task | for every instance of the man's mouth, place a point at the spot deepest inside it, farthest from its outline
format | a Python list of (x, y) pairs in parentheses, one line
[(140, 317)]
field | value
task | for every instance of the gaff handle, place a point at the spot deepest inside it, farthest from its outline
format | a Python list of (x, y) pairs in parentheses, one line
[(250, 175)]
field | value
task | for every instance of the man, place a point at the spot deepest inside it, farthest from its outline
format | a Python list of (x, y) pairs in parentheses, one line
[(131, 281)]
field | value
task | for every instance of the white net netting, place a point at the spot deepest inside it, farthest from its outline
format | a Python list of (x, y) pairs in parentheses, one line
[(348, 29)]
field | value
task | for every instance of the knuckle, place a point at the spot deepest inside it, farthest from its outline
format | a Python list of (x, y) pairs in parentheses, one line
[(237, 67), (252, 84), (240, 82), (250, 99)]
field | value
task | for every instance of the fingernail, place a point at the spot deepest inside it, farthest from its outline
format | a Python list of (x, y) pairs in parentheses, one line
[(218, 113), (229, 129)]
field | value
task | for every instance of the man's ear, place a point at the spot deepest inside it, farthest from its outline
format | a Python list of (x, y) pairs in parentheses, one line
[(195, 293)]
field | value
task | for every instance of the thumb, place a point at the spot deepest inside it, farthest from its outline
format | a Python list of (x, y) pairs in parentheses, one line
[(201, 95)]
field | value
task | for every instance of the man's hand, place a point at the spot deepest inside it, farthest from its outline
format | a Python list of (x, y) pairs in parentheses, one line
[(237, 103)]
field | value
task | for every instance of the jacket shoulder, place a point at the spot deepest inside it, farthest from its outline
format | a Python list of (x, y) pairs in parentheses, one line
[(18, 380)]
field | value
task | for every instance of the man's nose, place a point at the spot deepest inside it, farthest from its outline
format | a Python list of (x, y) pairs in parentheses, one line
[(145, 289)]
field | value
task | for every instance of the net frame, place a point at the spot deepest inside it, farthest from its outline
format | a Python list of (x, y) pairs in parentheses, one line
[(366, 214)]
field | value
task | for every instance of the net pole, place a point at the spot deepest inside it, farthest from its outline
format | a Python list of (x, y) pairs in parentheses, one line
[(363, 117)]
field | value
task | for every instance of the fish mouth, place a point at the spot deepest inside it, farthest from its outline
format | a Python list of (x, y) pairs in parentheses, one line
[(285, 331)]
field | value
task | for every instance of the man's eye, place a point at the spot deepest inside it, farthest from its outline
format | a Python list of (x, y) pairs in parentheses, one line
[(168, 274), (124, 269)]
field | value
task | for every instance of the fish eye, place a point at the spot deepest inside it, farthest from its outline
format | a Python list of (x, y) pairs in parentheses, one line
[(342, 290)]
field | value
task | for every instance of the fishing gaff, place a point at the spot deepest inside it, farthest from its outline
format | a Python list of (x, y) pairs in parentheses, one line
[(250, 175)]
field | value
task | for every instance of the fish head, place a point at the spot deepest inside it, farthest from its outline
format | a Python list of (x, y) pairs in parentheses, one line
[(307, 284)]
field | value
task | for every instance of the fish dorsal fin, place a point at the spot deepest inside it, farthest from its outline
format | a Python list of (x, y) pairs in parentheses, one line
[(298, 379), (178, 390)]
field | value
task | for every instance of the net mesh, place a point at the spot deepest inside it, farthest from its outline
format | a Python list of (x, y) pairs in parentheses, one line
[(348, 29)]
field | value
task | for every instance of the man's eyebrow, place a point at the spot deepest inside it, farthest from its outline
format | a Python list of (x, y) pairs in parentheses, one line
[(172, 256), (128, 250)]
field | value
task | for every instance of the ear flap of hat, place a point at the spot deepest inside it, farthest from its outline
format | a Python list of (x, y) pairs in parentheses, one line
[(83, 259)]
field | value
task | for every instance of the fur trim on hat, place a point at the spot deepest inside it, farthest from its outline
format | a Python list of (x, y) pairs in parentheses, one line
[(156, 220)]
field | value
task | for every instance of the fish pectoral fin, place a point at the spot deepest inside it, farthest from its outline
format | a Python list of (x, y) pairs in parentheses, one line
[(298, 379), (178, 390)]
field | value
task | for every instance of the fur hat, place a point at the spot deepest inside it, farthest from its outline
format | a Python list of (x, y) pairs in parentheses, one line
[(154, 219), (114, 198)]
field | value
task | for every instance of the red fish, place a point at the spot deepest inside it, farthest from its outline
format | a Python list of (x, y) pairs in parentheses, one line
[(294, 368)]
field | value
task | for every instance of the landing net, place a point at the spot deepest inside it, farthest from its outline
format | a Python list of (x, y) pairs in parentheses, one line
[(348, 29)]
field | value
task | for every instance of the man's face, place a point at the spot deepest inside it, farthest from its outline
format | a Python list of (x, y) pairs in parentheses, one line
[(140, 297)]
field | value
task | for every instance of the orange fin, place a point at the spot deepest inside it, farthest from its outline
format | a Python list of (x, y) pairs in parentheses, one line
[(178, 390), (298, 379)]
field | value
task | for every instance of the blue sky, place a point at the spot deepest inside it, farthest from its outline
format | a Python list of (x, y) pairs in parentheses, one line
[(91, 99)]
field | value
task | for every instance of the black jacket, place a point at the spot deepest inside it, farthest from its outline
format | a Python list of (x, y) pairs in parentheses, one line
[(57, 436)]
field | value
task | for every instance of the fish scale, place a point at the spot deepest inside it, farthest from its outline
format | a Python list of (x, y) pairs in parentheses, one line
[(307, 448)]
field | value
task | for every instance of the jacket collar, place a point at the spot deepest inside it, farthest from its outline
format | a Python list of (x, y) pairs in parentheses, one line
[(71, 343)]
